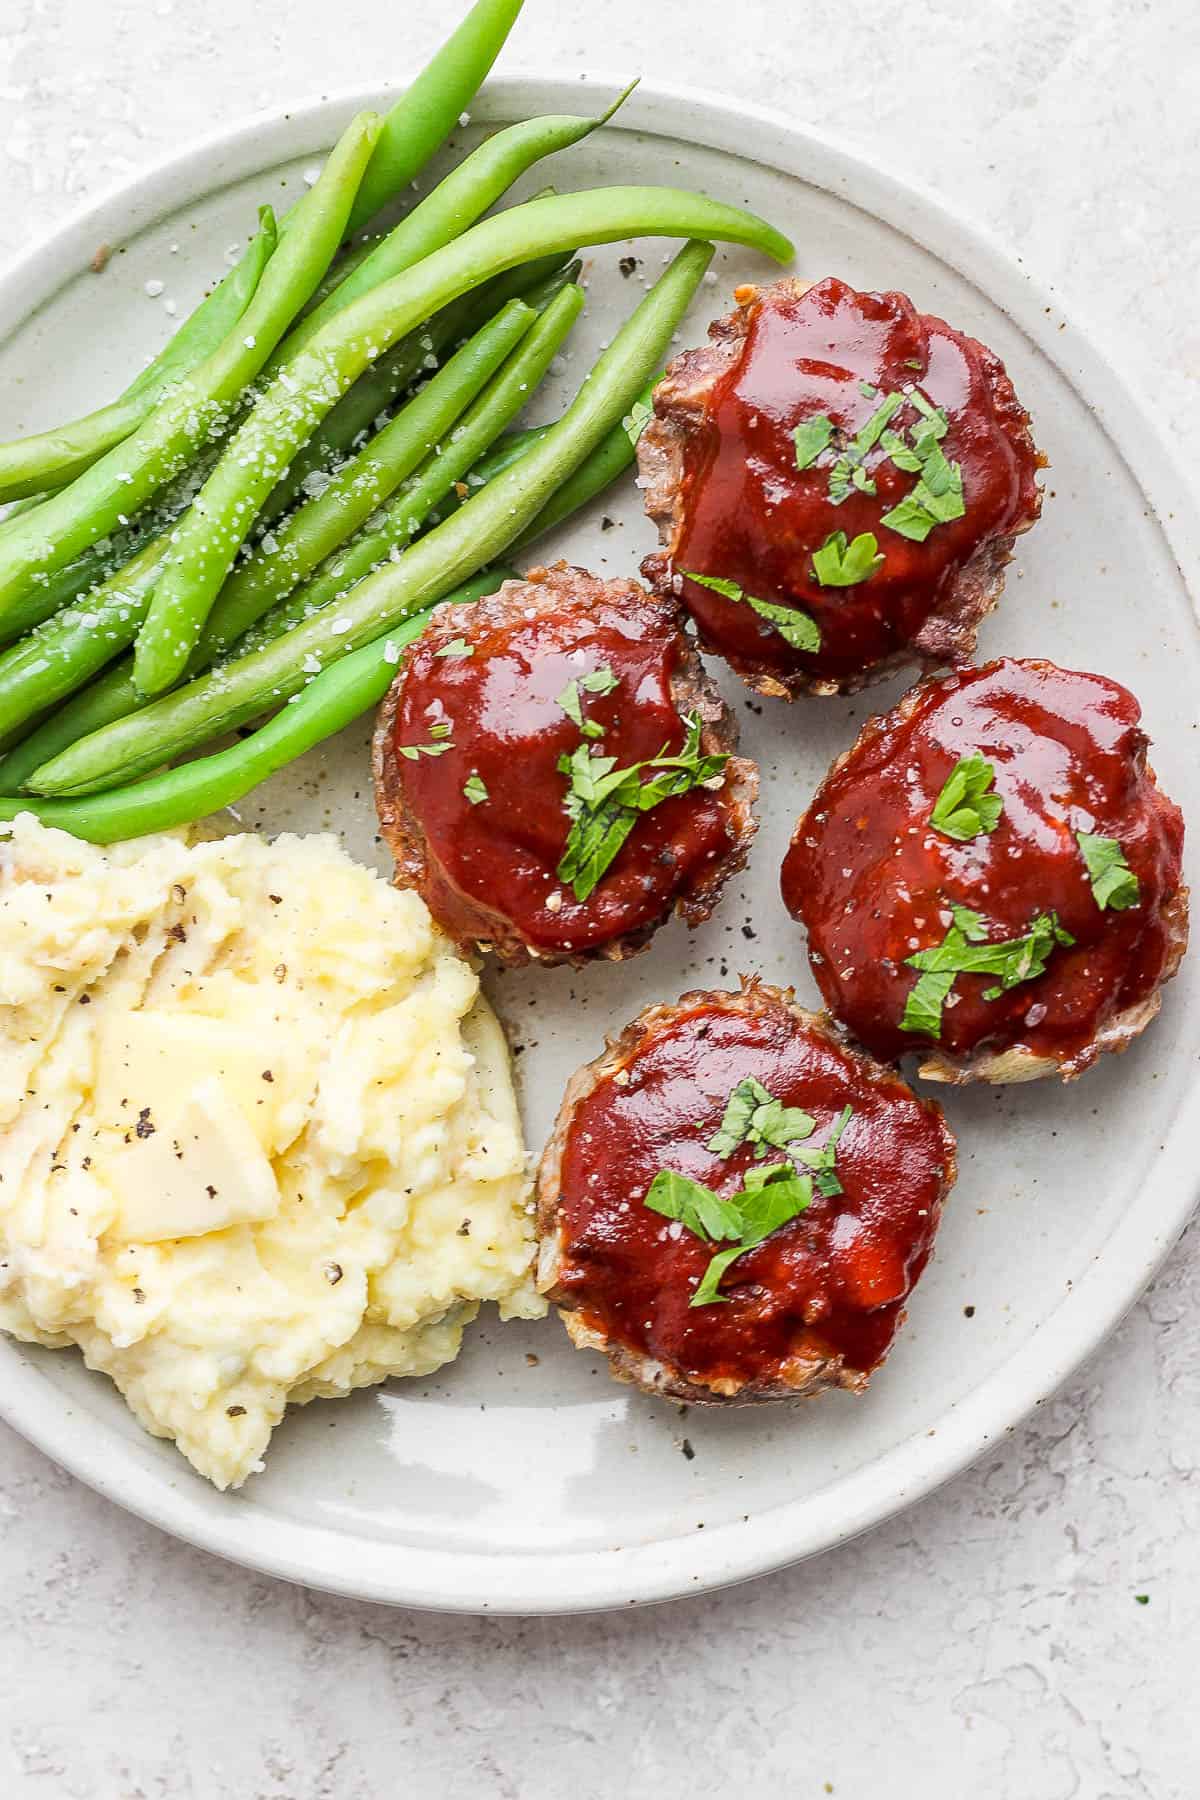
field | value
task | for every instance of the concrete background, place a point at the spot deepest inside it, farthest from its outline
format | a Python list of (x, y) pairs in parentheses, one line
[(991, 1640)]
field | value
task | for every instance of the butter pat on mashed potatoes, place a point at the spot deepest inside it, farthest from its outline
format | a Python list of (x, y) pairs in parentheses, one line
[(258, 1140)]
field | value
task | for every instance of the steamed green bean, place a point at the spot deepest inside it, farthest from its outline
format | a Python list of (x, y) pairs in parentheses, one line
[(127, 476), (454, 205), (411, 132), (409, 509), (380, 384), (51, 459), (312, 533)]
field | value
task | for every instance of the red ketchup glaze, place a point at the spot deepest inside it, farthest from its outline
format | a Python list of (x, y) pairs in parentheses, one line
[(752, 517), (872, 880), (832, 1281), (507, 728)]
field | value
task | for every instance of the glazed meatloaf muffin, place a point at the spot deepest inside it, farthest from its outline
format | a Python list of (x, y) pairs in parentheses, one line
[(992, 877), (837, 480), (736, 1203), (555, 774)]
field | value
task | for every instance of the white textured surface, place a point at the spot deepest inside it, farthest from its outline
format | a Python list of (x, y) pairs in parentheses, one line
[(989, 1641)]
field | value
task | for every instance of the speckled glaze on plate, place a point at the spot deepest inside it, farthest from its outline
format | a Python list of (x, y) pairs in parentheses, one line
[(521, 1479)]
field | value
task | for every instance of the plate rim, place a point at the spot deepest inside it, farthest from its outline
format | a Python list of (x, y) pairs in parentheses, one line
[(525, 1582)]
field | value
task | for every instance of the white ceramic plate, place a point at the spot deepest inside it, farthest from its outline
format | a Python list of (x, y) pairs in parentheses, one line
[(512, 1486)]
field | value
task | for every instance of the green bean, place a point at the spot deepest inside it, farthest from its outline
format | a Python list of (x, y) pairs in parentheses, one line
[(208, 326), (509, 450), (53, 661), (180, 796), (127, 476), (454, 205), (45, 598), (20, 507), (423, 118), (312, 533), (414, 128), (466, 542), (353, 256), (97, 580), (401, 519), (592, 477), (54, 458), (379, 384), (110, 696), (348, 258), (597, 472), (504, 398), (304, 390)]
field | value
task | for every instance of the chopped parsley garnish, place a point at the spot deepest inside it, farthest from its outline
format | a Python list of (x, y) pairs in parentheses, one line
[(823, 1162), (841, 480), (1114, 883), (898, 452), (747, 1217), (876, 425), (753, 1116), (604, 802), (440, 736), (771, 1194), (794, 627), (814, 435), (810, 438), (937, 497), (966, 808), (963, 951), (934, 422), (600, 681), (703, 1212), (456, 647), (475, 789), (636, 421), (841, 564)]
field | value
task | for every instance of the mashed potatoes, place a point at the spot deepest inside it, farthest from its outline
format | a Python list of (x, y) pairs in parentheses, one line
[(258, 1141)]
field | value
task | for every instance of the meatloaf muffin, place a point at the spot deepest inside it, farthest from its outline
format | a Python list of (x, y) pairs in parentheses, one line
[(991, 876), (555, 773), (837, 480), (736, 1203)]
